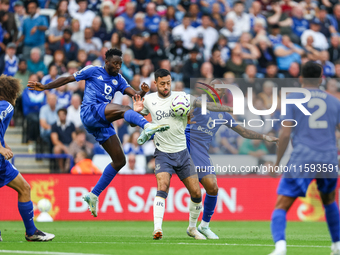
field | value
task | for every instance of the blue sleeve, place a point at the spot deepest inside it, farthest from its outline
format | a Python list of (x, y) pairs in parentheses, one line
[(334, 23), (85, 73), (123, 84), (43, 21), (231, 122), (5, 110)]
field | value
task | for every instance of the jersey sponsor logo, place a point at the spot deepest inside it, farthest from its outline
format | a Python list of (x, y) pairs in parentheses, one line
[(205, 130), (100, 78), (107, 91), (162, 114), (154, 103), (160, 204), (114, 82), (158, 166)]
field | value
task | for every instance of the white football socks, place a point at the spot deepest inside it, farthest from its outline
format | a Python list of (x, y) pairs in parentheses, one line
[(281, 245), (194, 212), (158, 212), (335, 246), (204, 224)]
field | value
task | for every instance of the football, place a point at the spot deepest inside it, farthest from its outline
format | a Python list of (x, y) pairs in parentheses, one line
[(44, 205), (180, 106)]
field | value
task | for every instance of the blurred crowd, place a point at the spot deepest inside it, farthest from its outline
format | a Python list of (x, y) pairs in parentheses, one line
[(257, 44)]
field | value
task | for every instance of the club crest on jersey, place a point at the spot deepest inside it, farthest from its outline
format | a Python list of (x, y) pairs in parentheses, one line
[(220, 116), (3, 115), (115, 82)]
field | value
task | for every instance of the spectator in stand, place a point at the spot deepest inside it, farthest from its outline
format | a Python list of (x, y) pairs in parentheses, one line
[(218, 63), (336, 17), (52, 75), (152, 19), (294, 71), (106, 10), (121, 31), (63, 96), (77, 34), (320, 41), (84, 15), (200, 45), (90, 44), (278, 17), (117, 42), (79, 144), (73, 111), (140, 50), (145, 74), (187, 33), (10, 25), (171, 17), (140, 25), (19, 16), (48, 116), (157, 52), (286, 53), (61, 10), (250, 53), (222, 45), (69, 47), (196, 15), (94, 5), (132, 146), (255, 148), (98, 30), (82, 59), (334, 49), (32, 101), (266, 53), (33, 34), (62, 134), (101, 58), (255, 14), (250, 80), (22, 74), (130, 10), (311, 52), (229, 32), (84, 165), (240, 18), (275, 36), (8, 61), (216, 16), (210, 35), (310, 9), (273, 75), (332, 88), (131, 167), (164, 34), (58, 61), (129, 69), (236, 64), (267, 94), (35, 65), (177, 54), (207, 70), (326, 26), (300, 24), (56, 32), (179, 86), (328, 67)]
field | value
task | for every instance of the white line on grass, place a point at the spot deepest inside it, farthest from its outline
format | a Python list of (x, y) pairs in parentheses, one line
[(45, 252)]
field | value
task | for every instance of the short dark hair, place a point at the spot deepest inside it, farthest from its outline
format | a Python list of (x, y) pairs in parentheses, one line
[(62, 110), (113, 52), (187, 15), (311, 73), (9, 88), (161, 73), (68, 31), (271, 63), (238, 2)]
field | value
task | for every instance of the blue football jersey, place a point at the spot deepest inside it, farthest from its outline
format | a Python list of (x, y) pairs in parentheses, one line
[(317, 131), (202, 132), (6, 113), (100, 87)]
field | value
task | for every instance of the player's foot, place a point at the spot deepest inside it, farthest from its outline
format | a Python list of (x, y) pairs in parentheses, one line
[(157, 234), (92, 200), (149, 130), (39, 236), (335, 252), (278, 253), (207, 232), (192, 232), (0, 237)]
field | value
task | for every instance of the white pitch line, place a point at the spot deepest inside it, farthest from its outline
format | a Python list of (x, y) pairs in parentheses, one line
[(45, 252)]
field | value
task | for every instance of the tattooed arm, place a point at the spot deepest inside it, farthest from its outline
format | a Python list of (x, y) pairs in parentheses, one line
[(249, 134), (212, 106)]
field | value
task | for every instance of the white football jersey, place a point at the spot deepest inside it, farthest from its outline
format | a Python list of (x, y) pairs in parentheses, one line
[(172, 140)]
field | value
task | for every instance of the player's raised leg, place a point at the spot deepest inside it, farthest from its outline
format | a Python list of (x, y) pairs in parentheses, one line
[(209, 183), (332, 216), (195, 205), (25, 207), (163, 183), (279, 222)]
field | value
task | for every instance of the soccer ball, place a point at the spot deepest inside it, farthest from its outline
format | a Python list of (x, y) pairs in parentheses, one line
[(44, 205), (180, 106)]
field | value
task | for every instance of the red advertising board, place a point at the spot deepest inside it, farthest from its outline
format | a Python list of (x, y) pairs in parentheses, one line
[(130, 197)]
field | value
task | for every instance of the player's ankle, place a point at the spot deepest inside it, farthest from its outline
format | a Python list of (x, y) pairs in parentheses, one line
[(281, 245), (204, 224)]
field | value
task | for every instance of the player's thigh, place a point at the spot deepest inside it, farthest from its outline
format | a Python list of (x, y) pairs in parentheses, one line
[(209, 183), (327, 189), (114, 148), (284, 202), (115, 112), (193, 186), (20, 185), (163, 181)]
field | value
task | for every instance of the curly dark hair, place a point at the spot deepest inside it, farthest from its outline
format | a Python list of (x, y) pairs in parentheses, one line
[(113, 52), (9, 88)]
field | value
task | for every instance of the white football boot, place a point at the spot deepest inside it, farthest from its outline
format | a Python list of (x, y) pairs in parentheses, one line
[(207, 232), (193, 232), (92, 200), (39, 236), (149, 130), (278, 253)]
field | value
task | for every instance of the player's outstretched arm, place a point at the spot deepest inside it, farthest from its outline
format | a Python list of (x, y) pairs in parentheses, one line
[(34, 85), (131, 92), (249, 134), (213, 107)]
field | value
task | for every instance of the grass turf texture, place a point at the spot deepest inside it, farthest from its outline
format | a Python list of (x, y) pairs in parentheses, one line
[(126, 237)]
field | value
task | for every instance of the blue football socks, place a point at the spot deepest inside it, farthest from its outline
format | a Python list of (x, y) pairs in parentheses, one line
[(26, 212), (278, 225), (209, 207), (333, 221), (107, 176), (135, 118)]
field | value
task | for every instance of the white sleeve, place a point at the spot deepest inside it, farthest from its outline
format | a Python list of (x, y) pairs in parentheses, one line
[(145, 110)]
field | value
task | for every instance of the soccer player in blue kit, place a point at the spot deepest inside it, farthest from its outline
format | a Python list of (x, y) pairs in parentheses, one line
[(199, 135), (97, 114), (9, 175), (314, 147)]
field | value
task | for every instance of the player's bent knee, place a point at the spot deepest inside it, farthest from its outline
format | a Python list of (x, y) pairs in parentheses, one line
[(195, 193), (212, 191), (120, 164)]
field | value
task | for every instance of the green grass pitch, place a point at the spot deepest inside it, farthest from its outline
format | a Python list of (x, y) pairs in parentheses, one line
[(128, 237)]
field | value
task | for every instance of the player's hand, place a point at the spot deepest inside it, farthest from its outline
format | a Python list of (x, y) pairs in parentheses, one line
[(271, 139), (138, 103), (272, 172), (7, 153), (190, 116), (145, 87), (34, 85)]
